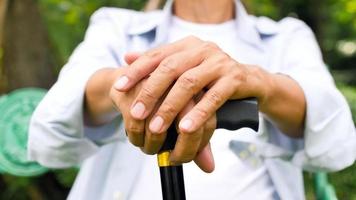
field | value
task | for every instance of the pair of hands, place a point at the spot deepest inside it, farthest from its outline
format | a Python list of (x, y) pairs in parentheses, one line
[(184, 83)]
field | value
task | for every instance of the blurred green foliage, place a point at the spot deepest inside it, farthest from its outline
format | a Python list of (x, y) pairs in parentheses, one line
[(54, 185), (333, 21), (67, 20), (350, 93)]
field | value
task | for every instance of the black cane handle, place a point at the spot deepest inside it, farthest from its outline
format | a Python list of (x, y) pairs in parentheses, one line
[(236, 114), (233, 115)]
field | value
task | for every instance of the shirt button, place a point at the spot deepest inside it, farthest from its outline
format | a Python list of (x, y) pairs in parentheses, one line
[(244, 155), (118, 195), (252, 148)]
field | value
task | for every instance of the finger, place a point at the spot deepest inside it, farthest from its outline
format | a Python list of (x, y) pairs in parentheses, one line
[(187, 145), (148, 62), (132, 57), (214, 98), (166, 73), (153, 141), (205, 159), (209, 128), (187, 85), (134, 130)]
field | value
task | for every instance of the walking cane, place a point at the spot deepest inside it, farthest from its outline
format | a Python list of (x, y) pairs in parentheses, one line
[(232, 115)]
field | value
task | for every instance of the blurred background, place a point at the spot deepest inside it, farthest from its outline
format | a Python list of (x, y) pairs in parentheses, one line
[(38, 36)]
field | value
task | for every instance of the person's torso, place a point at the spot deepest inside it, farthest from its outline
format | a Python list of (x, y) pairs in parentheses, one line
[(238, 174)]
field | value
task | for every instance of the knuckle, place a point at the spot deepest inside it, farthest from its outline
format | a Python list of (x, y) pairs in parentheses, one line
[(147, 94), (155, 139), (210, 46), (215, 98), (168, 110), (202, 113), (239, 76), (134, 71), (134, 129), (153, 54), (168, 66), (222, 62), (253, 70), (223, 59), (189, 82)]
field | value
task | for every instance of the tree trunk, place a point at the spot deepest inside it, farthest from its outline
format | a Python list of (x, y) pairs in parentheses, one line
[(27, 60), (3, 8), (310, 11)]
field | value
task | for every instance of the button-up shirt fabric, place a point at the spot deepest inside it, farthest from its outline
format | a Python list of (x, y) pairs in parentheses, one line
[(110, 165)]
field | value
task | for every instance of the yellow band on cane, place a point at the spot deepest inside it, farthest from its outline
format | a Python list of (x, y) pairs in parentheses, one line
[(163, 159)]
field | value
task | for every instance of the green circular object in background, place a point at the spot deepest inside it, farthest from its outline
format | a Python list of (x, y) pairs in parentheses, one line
[(16, 110), (2, 99)]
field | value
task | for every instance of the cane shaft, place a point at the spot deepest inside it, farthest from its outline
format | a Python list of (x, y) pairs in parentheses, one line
[(172, 180)]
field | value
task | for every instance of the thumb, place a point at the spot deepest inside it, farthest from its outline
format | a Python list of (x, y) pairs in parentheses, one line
[(205, 159)]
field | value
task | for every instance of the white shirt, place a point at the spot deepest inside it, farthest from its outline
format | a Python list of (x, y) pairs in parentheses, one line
[(110, 165)]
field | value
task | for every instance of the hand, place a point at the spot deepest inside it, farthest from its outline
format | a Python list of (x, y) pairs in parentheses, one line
[(189, 146), (188, 66)]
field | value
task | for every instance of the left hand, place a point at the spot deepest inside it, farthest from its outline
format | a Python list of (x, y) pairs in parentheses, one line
[(191, 66)]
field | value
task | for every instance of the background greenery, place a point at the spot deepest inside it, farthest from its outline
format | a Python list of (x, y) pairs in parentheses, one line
[(333, 21)]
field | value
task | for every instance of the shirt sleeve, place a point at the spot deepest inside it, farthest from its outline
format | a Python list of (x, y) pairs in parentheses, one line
[(329, 142), (58, 136)]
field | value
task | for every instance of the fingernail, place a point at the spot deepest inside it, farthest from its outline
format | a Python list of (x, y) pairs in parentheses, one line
[(156, 124), (186, 124), (138, 110), (121, 83)]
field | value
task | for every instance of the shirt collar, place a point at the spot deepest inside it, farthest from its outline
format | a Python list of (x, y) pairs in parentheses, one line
[(248, 30)]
